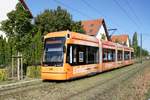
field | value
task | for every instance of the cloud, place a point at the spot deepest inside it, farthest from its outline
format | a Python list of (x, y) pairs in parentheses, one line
[(5, 7)]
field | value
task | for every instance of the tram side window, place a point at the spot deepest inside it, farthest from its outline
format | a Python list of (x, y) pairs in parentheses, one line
[(69, 54), (104, 55), (72, 55), (126, 55), (108, 55), (119, 55), (80, 55), (92, 53)]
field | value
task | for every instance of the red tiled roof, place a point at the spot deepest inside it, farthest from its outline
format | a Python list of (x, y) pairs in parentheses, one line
[(91, 27), (120, 38)]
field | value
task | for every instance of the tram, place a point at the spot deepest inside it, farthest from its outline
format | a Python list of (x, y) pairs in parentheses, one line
[(69, 55)]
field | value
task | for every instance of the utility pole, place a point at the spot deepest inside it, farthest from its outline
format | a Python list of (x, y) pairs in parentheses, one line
[(21, 66), (141, 48), (18, 66), (113, 31), (12, 72)]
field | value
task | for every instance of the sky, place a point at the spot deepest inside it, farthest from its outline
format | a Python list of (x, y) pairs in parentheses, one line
[(128, 16)]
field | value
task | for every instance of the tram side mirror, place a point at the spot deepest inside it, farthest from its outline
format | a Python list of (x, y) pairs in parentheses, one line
[(64, 48)]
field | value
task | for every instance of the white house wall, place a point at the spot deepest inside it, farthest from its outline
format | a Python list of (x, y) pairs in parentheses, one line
[(128, 43), (100, 32)]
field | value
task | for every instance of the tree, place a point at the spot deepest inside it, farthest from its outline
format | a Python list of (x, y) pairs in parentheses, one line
[(3, 52), (77, 27), (37, 45), (138, 49), (144, 52), (135, 44), (130, 45), (18, 29), (26, 37), (17, 26), (57, 20)]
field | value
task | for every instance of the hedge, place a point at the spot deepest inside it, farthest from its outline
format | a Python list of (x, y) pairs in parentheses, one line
[(34, 71), (3, 74)]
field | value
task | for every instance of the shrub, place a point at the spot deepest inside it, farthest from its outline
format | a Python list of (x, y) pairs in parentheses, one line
[(34, 71), (3, 74)]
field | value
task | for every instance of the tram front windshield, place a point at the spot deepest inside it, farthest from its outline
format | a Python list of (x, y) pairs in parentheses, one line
[(54, 51)]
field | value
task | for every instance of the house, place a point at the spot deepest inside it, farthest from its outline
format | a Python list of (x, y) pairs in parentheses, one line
[(121, 39), (96, 28)]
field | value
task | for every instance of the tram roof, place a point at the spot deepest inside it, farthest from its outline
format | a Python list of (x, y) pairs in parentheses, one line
[(72, 35)]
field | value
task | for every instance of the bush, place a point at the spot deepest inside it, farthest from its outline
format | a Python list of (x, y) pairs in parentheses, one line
[(34, 71), (3, 74)]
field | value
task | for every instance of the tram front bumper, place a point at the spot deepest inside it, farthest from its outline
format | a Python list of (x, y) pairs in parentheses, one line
[(54, 75)]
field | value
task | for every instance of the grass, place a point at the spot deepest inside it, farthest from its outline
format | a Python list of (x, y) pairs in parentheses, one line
[(128, 85), (147, 95)]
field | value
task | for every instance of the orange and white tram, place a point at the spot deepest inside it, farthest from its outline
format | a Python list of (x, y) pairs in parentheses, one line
[(70, 55)]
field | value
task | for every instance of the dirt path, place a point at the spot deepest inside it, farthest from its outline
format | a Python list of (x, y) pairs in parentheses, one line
[(128, 83)]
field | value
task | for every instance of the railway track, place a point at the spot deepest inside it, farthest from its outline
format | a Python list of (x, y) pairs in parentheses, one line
[(128, 74), (55, 88), (20, 86), (9, 88)]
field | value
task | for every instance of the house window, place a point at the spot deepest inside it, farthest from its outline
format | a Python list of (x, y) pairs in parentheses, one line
[(103, 37), (91, 25), (90, 31)]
